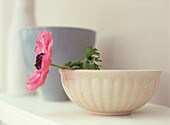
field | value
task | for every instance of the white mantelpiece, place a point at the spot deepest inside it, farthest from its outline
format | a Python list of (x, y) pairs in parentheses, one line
[(32, 110)]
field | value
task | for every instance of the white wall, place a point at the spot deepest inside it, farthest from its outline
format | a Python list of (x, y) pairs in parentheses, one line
[(1, 46), (169, 43), (131, 34)]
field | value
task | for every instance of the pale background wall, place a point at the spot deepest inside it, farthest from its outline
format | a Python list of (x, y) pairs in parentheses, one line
[(1, 43), (131, 34)]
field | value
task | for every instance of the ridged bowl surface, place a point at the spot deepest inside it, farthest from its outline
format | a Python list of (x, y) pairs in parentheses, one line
[(110, 92)]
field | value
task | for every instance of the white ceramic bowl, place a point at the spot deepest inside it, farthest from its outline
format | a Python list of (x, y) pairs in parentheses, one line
[(110, 92)]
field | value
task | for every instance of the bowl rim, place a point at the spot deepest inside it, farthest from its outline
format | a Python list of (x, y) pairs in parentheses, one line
[(57, 27), (111, 70)]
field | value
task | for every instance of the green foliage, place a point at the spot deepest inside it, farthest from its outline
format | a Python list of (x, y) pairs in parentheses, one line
[(92, 56)]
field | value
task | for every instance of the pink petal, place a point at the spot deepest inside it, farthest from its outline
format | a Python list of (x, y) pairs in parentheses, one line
[(44, 62), (44, 45), (43, 78), (35, 80), (39, 48), (50, 49), (32, 87), (45, 38), (33, 84), (33, 76)]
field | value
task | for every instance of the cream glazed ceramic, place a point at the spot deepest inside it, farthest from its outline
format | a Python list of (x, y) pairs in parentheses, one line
[(110, 92)]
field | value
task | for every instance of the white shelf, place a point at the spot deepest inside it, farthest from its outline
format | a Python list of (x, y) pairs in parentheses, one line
[(33, 110)]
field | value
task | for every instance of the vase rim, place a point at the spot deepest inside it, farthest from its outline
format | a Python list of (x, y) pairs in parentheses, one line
[(57, 27)]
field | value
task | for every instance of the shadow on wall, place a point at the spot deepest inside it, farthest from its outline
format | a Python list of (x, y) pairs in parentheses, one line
[(162, 95)]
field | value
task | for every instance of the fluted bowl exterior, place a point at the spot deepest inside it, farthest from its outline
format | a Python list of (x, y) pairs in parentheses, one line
[(110, 92)]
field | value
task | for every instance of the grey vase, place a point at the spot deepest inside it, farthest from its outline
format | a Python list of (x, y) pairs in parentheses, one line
[(69, 44)]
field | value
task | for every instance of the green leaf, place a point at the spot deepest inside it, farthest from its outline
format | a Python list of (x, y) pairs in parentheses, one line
[(92, 56)]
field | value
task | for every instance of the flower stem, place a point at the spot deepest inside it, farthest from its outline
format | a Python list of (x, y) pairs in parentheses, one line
[(58, 66)]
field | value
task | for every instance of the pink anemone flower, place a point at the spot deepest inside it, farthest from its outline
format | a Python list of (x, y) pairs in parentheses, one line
[(43, 60)]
